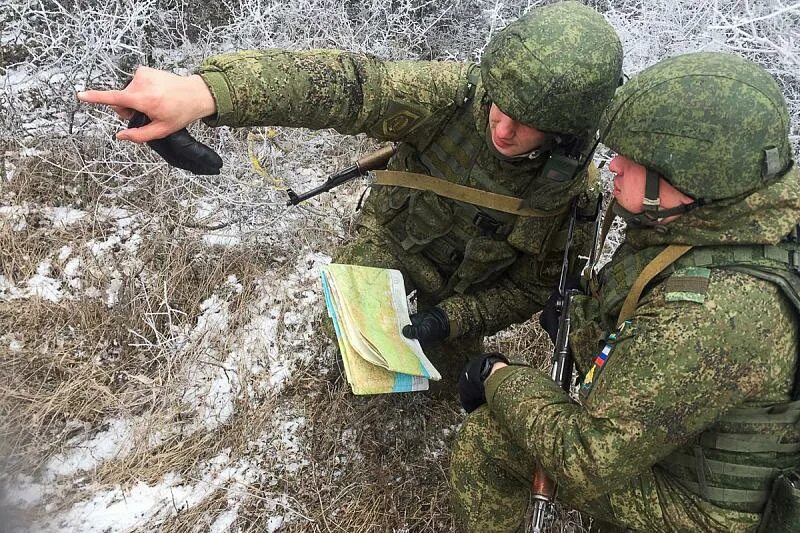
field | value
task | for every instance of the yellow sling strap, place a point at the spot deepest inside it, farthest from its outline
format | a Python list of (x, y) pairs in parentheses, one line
[(668, 255), (489, 200)]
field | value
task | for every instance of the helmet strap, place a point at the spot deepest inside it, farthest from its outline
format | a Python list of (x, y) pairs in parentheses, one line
[(651, 215), (651, 201)]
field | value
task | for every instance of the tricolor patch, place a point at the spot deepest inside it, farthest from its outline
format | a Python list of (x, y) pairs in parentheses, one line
[(601, 358), (599, 361)]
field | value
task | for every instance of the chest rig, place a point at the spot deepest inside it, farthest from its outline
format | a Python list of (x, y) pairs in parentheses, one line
[(733, 463), (470, 243)]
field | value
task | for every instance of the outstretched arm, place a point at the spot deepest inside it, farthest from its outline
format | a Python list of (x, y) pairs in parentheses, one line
[(352, 93)]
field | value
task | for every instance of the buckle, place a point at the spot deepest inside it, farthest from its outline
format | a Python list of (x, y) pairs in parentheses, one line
[(488, 225)]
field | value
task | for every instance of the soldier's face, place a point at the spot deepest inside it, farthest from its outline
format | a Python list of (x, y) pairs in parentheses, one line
[(512, 138), (629, 183)]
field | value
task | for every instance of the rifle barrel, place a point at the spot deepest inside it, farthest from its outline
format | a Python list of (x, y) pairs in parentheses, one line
[(372, 161)]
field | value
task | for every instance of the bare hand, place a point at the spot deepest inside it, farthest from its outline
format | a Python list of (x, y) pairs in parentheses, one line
[(172, 102)]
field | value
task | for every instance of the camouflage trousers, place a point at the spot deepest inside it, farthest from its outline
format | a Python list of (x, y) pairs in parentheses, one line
[(375, 250), (490, 480)]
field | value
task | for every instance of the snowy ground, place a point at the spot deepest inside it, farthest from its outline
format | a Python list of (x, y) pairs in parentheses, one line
[(163, 366)]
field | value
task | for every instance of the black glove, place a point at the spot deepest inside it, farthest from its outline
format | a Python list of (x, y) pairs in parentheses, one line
[(470, 384), (548, 318), (181, 150), (428, 326)]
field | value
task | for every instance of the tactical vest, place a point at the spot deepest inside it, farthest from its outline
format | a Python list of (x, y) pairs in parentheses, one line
[(468, 244), (734, 462)]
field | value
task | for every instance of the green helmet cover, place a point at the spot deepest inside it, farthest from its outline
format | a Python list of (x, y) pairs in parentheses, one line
[(555, 68), (712, 124)]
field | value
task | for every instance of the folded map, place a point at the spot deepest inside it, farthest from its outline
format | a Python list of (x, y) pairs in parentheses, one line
[(369, 308)]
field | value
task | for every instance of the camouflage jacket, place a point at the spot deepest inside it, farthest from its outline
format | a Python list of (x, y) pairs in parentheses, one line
[(439, 112), (685, 359)]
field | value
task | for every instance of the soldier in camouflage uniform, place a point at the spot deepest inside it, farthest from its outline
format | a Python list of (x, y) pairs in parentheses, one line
[(689, 409), (520, 124)]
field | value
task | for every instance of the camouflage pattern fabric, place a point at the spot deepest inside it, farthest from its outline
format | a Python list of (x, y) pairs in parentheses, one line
[(581, 62), (510, 274), (742, 146), (703, 342), (649, 399)]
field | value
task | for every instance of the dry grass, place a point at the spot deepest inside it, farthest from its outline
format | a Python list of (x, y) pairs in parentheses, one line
[(366, 463), (81, 360)]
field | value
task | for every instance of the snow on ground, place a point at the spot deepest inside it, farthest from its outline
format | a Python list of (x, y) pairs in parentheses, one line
[(137, 507), (235, 352), (229, 363)]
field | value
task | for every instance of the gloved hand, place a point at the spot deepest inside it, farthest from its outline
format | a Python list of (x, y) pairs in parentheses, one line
[(471, 392), (548, 318), (428, 326), (181, 150)]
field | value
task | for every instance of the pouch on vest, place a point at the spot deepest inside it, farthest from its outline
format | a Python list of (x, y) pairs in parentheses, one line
[(428, 217), (389, 200), (531, 234), (484, 258), (782, 512)]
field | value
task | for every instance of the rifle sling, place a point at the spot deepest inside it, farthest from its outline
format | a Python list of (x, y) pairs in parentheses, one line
[(668, 255), (489, 200)]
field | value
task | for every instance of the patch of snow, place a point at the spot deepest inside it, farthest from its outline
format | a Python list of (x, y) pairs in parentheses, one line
[(44, 268), (9, 170), (224, 520), (100, 248), (274, 523), (63, 216), (141, 506), (71, 269), (214, 320), (64, 253), (223, 237), (122, 218), (132, 244), (26, 492), (84, 455), (43, 286), (14, 344), (15, 216), (112, 291)]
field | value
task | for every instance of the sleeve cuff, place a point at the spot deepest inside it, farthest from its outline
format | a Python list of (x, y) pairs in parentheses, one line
[(494, 381), (453, 318), (218, 85)]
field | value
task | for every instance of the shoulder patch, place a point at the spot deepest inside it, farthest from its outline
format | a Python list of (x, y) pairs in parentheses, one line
[(402, 117), (688, 285)]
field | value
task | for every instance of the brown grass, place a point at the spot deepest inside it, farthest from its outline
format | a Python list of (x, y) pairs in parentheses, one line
[(374, 463), (83, 361)]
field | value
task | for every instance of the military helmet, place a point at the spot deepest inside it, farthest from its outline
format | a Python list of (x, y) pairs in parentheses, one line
[(712, 124), (555, 68)]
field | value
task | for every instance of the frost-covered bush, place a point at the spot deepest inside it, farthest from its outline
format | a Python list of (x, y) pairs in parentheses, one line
[(143, 265), (49, 48)]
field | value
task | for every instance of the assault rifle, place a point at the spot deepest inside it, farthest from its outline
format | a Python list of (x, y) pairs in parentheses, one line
[(373, 161), (543, 488)]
